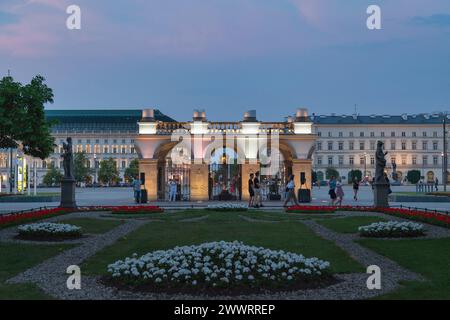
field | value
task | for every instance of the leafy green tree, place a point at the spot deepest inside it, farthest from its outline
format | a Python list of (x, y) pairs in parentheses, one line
[(354, 174), (132, 171), (81, 171), (22, 118), (52, 177), (413, 176), (108, 173), (331, 172)]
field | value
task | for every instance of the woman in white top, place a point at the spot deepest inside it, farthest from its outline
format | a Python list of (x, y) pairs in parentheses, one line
[(290, 192)]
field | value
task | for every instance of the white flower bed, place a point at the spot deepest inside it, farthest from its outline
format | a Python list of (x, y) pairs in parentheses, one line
[(227, 207), (218, 264), (46, 229), (392, 229)]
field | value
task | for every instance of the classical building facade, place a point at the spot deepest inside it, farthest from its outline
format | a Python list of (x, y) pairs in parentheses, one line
[(345, 143), (413, 142)]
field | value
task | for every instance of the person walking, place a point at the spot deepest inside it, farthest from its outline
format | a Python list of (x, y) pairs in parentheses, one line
[(332, 190), (290, 192), (436, 184), (257, 188), (339, 193), (137, 189), (172, 190), (251, 191), (355, 188)]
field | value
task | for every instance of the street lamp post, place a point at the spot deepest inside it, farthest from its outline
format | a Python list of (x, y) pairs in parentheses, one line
[(365, 165), (444, 157), (95, 169)]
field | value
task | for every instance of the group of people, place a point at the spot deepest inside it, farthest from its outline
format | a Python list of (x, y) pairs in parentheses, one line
[(254, 191)]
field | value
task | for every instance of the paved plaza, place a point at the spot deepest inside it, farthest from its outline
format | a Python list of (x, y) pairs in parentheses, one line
[(124, 196)]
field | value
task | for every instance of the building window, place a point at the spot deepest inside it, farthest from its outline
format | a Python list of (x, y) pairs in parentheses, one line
[(362, 160), (404, 160), (124, 150), (341, 145), (361, 134), (319, 146), (341, 160), (351, 145), (44, 164), (392, 145), (132, 150), (319, 134), (392, 133), (361, 146), (435, 145), (79, 148), (435, 160), (425, 160), (382, 133), (403, 145), (88, 163), (424, 134), (123, 141), (372, 134), (88, 148), (105, 149), (403, 134), (414, 134), (330, 160), (372, 145), (114, 149), (424, 145), (350, 134), (414, 145), (319, 160), (340, 134), (329, 134), (79, 141), (351, 160), (124, 164), (114, 141), (372, 160), (97, 141), (330, 145), (393, 159), (435, 134), (414, 160)]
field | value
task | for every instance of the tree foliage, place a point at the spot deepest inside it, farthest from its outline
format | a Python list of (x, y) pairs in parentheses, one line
[(81, 171), (132, 171), (413, 176), (331, 172), (108, 173), (354, 174), (52, 177), (22, 117)]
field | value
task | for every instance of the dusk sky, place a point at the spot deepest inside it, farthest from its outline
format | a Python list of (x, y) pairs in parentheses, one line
[(229, 56)]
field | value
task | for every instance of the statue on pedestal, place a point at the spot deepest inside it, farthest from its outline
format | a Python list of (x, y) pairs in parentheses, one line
[(380, 164), (68, 181), (68, 159), (381, 185)]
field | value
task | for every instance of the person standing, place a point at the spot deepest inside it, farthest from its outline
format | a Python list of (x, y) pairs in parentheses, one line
[(436, 184), (355, 188), (332, 190), (257, 188), (172, 190), (137, 189), (251, 191), (290, 192), (210, 185), (339, 193)]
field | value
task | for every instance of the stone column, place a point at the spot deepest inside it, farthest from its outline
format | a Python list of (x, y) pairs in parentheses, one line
[(247, 168), (150, 168), (299, 166), (199, 182)]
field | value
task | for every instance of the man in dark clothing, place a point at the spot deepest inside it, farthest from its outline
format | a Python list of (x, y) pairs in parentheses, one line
[(251, 192)]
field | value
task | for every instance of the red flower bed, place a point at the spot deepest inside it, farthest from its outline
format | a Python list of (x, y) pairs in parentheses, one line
[(18, 217), (418, 215), (311, 209)]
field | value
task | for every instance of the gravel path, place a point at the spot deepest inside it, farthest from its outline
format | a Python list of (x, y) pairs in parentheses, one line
[(51, 274)]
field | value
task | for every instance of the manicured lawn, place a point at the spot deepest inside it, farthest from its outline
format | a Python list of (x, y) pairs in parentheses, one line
[(94, 226), (16, 258), (429, 257), (287, 235), (349, 224)]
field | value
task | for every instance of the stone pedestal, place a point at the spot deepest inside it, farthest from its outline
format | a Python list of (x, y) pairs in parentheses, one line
[(68, 193), (150, 168), (299, 166), (381, 195), (199, 182)]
